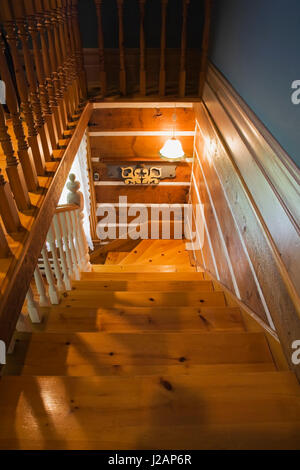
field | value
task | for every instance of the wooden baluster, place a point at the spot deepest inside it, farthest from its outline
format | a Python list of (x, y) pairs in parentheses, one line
[(42, 128), (63, 223), (83, 242), (101, 48), (33, 308), (56, 263), (76, 197), (13, 168), (34, 138), (48, 59), (79, 248), (182, 75), (8, 208), (40, 285), (24, 151), (63, 59), (74, 258), (4, 248), (59, 238), (121, 48), (73, 49), (162, 73), (205, 46), (54, 49), (47, 109), (53, 292), (143, 83), (79, 49), (64, 54)]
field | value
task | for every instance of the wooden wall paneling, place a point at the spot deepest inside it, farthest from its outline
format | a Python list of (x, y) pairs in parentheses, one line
[(206, 251), (222, 264), (24, 151), (98, 4), (205, 45), (245, 279), (280, 297), (284, 230), (146, 194), (281, 172), (142, 119), (137, 146)]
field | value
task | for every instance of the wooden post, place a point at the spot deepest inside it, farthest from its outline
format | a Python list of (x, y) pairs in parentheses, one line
[(162, 73), (13, 168), (182, 75), (70, 41), (101, 48), (143, 83), (205, 46), (48, 111), (34, 137), (24, 152), (121, 48), (4, 248), (8, 208), (42, 128)]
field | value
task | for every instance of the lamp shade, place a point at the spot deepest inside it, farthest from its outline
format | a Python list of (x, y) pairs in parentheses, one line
[(172, 150)]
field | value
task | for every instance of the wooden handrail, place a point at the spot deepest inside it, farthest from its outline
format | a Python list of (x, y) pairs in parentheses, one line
[(65, 208)]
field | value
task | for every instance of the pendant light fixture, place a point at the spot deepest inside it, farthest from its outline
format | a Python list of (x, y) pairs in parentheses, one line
[(172, 149)]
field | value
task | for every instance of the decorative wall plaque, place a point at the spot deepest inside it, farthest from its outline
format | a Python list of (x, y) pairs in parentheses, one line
[(141, 175)]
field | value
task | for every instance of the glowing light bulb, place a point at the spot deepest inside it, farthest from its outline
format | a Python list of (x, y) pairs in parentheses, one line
[(172, 150)]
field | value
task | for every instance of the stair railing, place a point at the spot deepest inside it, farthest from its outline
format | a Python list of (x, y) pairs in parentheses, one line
[(64, 256)]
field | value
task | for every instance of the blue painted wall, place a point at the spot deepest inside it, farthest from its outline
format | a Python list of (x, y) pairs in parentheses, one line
[(256, 45)]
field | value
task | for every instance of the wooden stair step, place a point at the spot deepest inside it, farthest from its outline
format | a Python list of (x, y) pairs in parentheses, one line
[(115, 257), (144, 276), (83, 354), (142, 268), (97, 298), (140, 286), (150, 246), (230, 411), (128, 319)]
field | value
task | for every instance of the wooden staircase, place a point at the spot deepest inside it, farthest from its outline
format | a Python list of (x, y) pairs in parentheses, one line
[(147, 353)]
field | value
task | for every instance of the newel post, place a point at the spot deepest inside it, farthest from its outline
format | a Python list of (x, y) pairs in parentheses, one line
[(76, 197)]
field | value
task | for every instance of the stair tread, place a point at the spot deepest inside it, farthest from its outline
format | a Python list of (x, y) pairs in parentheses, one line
[(144, 276), (143, 285), (116, 299), (102, 353), (207, 411), (140, 319), (143, 268)]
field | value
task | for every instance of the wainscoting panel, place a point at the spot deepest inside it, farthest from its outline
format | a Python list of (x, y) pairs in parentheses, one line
[(250, 192)]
